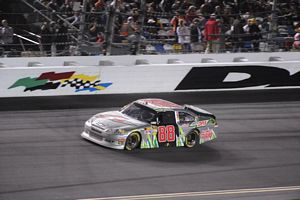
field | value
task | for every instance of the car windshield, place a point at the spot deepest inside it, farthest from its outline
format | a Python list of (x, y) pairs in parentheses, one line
[(139, 112)]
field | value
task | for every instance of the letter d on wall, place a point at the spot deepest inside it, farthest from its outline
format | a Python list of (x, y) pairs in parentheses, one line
[(250, 76)]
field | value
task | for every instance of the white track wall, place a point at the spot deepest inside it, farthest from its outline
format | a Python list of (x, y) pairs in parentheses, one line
[(147, 78)]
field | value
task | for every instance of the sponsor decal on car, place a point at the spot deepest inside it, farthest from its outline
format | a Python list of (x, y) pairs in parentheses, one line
[(181, 138), (202, 123), (150, 141), (207, 135), (148, 130)]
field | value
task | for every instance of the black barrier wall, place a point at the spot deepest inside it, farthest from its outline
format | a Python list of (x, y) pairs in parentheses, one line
[(117, 100)]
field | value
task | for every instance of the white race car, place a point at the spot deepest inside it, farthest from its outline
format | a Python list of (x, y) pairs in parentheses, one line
[(151, 123)]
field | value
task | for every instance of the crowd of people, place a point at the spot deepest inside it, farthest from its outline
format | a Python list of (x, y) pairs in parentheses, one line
[(176, 25), (218, 26)]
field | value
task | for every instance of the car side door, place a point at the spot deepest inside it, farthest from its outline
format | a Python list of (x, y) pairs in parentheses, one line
[(167, 129)]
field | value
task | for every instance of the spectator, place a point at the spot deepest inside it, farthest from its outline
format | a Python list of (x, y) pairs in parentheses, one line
[(52, 9), (175, 6), (237, 35), (255, 35), (166, 5), (218, 11), (100, 38), (296, 44), (195, 36), (248, 43), (184, 36), (62, 36), (206, 9), (99, 5), (93, 31), (175, 21), (45, 37), (190, 14), (221, 44), (135, 14), (54, 29), (52, 5), (185, 5), (212, 34), (128, 27), (152, 29), (6, 35), (201, 21), (66, 9), (134, 40), (227, 16)]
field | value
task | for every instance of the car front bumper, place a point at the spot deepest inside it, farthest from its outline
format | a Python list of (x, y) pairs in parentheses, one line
[(102, 142)]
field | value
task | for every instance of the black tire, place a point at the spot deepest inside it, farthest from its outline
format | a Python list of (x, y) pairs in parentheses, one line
[(133, 141), (191, 139)]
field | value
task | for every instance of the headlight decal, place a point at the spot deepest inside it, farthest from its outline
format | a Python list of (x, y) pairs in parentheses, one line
[(120, 132)]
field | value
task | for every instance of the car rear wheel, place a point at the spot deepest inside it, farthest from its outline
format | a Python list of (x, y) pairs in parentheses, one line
[(133, 141), (190, 139)]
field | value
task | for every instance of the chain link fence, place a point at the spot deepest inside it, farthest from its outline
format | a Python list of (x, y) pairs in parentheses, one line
[(119, 28)]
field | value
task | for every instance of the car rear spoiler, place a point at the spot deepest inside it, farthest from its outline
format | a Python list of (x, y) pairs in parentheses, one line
[(199, 111)]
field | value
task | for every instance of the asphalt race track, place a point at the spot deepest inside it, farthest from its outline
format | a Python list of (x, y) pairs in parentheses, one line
[(42, 156)]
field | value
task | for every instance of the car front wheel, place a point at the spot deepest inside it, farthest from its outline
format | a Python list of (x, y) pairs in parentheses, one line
[(133, 141)]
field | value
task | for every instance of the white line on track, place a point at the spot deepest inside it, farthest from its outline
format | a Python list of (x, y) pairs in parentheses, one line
[(206, 193)]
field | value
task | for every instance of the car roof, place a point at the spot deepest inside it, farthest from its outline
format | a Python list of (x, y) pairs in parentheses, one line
[(158, 104)]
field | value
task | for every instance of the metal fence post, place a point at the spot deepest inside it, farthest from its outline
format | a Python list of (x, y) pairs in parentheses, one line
[(109, 29), (82, 21), (273, 25), (142, 19)]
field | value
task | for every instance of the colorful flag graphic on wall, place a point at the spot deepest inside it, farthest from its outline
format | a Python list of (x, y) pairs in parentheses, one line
[(52, 80)]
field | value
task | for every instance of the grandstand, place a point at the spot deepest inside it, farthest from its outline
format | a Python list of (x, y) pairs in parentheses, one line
[(116, 27)]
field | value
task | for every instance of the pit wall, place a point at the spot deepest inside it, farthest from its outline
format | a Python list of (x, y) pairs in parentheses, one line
[(148, 74)]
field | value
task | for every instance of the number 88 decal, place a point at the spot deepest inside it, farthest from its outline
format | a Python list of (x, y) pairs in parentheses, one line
[(166, 133)]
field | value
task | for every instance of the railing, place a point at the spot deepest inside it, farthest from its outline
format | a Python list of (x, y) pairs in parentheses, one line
[(61, 44)]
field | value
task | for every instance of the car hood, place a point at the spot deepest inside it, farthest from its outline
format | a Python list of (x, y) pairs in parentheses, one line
[(115, 120)]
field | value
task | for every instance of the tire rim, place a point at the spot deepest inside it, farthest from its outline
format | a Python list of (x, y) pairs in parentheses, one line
[(191, 139), (132, 142)]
